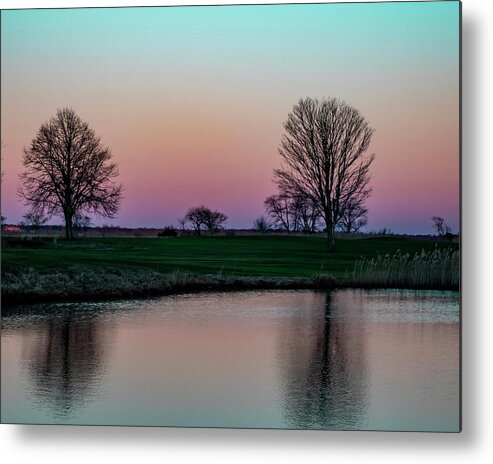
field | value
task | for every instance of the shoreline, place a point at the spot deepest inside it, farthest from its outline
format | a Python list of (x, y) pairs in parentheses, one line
[(59, 288)]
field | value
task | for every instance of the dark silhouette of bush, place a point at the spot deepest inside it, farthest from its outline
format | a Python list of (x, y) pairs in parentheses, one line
[(449, 236), (27, 242), (168, 231)]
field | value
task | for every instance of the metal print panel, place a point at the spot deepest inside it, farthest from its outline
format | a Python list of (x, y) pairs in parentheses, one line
[(232, 216)]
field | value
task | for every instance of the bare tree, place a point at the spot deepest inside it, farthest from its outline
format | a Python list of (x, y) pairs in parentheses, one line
[(196, 217), (261, 224), (81, 222), (214, 220), (440, 227), (305, 214), (69, 171), (324, 153), (293, 212), (201, 217), (278, 207), (34, 220), (182, 224), (354, 218)]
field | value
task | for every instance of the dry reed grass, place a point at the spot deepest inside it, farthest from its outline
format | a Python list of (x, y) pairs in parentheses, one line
[(437, 269)]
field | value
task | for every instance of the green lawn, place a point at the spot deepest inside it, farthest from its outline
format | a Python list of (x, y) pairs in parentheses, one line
[(236, 255)]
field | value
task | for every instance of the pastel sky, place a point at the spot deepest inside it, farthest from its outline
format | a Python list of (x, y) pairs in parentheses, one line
[(191, 100)]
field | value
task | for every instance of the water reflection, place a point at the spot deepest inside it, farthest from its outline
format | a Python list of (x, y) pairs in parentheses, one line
[(65, 362), (348, 359), (324, 371)]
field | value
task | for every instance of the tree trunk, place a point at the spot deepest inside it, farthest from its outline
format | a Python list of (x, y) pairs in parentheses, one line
[(69, 231), (330, 229), (331, 245)]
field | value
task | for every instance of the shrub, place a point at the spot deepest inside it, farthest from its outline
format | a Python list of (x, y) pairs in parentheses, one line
[(262, 225), (168, 231)]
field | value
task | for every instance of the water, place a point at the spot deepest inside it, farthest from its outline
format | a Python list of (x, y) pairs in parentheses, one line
[(347, 359)]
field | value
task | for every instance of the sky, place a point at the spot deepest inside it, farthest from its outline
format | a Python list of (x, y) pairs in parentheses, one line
[(191, 100)]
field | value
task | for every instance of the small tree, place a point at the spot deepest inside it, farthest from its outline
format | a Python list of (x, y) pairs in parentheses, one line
[(262, 225), (82, 222), (440, 227), (183, 224), (354, 218), (202, 218), (278, 207), (293, 212), (34, 220), (305, 215), (3, 220), (214, 220), (196, 217)]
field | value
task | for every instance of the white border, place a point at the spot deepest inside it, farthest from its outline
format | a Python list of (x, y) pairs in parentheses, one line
[(53, 444)]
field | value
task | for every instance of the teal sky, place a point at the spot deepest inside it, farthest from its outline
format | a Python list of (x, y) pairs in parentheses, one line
[(192, 99)]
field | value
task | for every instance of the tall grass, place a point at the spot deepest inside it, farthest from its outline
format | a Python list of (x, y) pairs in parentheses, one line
[(433, 269)]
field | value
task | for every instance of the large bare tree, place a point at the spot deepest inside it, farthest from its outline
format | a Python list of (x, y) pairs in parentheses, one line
[(68, 171), (324, 152)]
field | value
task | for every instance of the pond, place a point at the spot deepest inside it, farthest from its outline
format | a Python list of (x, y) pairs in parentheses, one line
[(339, 360)]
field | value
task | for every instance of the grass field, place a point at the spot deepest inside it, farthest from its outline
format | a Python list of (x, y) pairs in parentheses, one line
[(271, 256), (110, 268)]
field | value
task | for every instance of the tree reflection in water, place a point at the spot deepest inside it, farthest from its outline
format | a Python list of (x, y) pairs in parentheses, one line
[(66, 362), (324, 370)]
